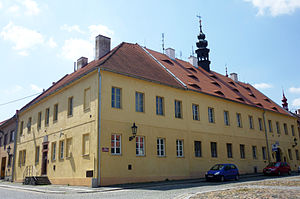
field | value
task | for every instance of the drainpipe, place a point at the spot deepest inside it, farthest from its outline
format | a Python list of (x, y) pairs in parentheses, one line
[(266, 134), (15, 147), (99, 129)]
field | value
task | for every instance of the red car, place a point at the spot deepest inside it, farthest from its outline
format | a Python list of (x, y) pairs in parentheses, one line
[(277, 168)]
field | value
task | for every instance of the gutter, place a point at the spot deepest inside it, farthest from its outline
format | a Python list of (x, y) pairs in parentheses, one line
[(99, 129), (15, 147), (266, 134)]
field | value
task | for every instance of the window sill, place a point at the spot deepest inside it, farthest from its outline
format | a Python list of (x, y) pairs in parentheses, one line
[(86, 110), (161, 156), (85, 155), (116, 154), (141, 155)]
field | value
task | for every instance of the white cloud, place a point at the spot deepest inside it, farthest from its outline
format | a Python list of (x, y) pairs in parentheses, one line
[(296, 103), (95, 30), (51, 43), (31, 6), (294, 90), (35, 88), (1, 5), (76, 48), (23, 38), (14, 9), (71, 28), (23, 53), (262, 86), (275, 7)]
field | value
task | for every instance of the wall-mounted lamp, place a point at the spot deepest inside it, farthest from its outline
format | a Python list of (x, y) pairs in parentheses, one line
[(134, 131), (295, 141), (8, 150)]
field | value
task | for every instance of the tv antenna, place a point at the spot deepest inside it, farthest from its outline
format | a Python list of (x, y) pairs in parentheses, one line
[(163, 42)]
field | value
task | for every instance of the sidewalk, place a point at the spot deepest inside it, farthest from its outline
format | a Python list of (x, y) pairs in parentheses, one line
[(64, 189)]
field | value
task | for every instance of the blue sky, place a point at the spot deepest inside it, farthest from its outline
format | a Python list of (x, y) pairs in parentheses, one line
[(40, 40)]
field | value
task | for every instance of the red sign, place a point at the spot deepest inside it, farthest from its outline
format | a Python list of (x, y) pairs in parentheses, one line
[(105, 149)]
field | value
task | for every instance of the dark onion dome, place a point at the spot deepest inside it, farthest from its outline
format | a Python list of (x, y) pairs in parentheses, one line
[(201, 35), (202, 43)]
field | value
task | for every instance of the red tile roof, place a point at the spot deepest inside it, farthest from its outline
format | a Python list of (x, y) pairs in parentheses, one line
[(132, 60)]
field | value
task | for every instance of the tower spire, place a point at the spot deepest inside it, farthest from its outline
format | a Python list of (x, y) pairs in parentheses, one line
[(284, 101), (202, 51)]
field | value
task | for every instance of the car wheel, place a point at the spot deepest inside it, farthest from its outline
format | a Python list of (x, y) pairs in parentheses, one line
[(279, 173), (222, 179), (290, 173), (237, 177)]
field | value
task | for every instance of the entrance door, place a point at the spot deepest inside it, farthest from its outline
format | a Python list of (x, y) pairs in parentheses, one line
[(278, 155), (45, 159), (3, 163)]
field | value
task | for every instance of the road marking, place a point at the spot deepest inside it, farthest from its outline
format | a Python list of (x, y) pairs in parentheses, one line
[(18, 188)]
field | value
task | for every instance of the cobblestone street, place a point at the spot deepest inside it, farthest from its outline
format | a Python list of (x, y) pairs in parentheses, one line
[(284, 188)]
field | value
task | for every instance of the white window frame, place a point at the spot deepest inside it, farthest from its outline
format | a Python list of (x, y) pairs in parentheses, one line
[(159, 105), (161, 147), (116, 97), (226, 118), (195, 108), (179, 148), (61, 149), (140, 145), (178, 108), (139, 102), (251, 124), (211, 115), (239, 120), (114, 141), (254, 152)]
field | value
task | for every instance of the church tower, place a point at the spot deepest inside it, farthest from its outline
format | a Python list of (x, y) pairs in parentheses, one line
[(284, 102), (202, 51)]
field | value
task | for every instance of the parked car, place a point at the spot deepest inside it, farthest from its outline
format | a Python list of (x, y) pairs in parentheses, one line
[(222, 172), (277, 168)]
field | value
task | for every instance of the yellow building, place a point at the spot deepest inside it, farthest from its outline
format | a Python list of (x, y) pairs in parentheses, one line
[(81, 131)]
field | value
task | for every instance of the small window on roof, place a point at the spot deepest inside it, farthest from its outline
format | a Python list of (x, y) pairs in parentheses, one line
[(216, 83), (259, 104), (241, 99), (168, 61), (219, 93), (252, 95), (235, 90), (194, 85), (232, 83), (267, 99), (274, 108), (247, 88), (191, 69), (213, 75), (193, 76)]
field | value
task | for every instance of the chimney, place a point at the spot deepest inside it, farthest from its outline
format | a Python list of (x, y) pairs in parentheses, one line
[(298, 111), (170, 52), (82, 62), (102, 46), (234, 77), (194, 61)]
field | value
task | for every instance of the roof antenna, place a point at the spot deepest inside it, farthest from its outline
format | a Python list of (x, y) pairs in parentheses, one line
[(74, 66), (163, 42), (192, 51), (200, 23), (180, 54), (226, 70)]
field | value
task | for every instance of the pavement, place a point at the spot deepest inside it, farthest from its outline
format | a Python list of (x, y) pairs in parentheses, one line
[(64, 189)]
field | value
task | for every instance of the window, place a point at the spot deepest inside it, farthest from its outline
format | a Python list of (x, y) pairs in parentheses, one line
[(70, 106), (211, 115), (213, 148), (264, 154), (12, 136), (270, 126), (39, 124), (260, 124), (242, 151), (139, 102), (178, 111), (53, 154), (87, 99), (0, 141), (37, 154), (179, 148), (293, 130), (86, 144), (278, 127), (229, 150), (22, 157), (195, 109), (290, 154), (69, 147), (198, 152), (297, 154), (159, 105), (239, 120), (161, 147), (226, 118), (61, 149), (9, 160), (21, 128), (55, 113), (254, 152), (251, 126), (116, 144), (115, 97), (140, 147), (285, 129), (5, 140), (29, 125), (47, 114)]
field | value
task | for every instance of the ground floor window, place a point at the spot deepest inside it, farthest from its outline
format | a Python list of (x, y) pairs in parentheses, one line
[(264, 156), (115, 144), (179, 148), (140, 146), (229, 150), (213, 148), (242, 151), (161, 147), (254, 152), (198, 152)]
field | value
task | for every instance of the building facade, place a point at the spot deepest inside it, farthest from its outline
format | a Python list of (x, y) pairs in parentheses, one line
[(137, 115), (7, 136)]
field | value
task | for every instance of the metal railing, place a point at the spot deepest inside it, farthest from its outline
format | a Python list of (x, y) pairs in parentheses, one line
[(30, 171)]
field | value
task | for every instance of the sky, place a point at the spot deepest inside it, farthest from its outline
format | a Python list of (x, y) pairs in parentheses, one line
[(41, 40)]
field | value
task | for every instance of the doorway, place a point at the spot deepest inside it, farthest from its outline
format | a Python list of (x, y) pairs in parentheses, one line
[(278, 155), (3, 163), (44, 159)]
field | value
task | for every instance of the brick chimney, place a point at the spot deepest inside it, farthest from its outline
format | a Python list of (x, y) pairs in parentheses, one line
[(82, 62), (102, 46)]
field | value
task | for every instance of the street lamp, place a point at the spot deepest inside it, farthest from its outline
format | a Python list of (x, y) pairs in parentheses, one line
[(134, 131), (8, 150)]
